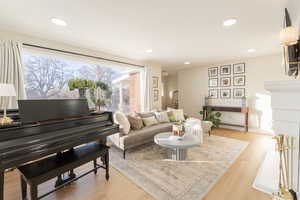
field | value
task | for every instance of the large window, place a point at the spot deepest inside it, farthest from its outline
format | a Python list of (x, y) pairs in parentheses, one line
[(46, 77)]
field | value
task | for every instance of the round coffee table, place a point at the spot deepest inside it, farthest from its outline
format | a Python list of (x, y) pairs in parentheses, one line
[(177, 146)]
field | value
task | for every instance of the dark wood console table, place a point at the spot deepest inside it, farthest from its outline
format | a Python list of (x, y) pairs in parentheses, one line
[(244, 110)]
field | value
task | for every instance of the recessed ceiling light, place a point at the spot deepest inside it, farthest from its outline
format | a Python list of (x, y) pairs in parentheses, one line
[(187, 63), (229, 22), (58, 22), (149, 51), (251, 50)]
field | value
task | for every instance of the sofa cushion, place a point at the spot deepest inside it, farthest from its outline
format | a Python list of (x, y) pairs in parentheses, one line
[(146, 114), (121, 119), (149, 121), (178, 114), (162, 116), (144, 135), (136, 123)]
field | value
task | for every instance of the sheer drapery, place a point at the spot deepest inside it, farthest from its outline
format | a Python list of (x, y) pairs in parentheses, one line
[(11, 71), (146, 90)]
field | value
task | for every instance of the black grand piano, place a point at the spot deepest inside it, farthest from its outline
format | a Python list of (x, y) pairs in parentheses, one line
[(45, 127)]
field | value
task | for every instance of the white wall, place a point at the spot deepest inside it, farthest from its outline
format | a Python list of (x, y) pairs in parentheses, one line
[(154, 68), (294, 9), (193, 87)]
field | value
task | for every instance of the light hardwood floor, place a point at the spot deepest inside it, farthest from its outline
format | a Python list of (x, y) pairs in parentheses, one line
[(236, 184)]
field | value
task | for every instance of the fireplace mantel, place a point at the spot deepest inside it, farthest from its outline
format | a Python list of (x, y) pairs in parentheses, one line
[(285, 102)]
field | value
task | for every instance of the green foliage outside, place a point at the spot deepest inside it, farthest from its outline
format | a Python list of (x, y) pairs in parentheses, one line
[(81, 83)]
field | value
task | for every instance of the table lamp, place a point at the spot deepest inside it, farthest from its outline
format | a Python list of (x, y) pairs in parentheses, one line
[(6, 90)]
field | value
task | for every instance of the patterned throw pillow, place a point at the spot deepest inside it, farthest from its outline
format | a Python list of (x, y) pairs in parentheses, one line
[(136, 123), (162, 117), (149, 121)]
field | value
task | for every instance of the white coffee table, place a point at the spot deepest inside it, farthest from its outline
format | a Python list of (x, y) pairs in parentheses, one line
[(178, 147)]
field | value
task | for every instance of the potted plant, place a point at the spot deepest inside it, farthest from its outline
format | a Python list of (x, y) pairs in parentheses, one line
[(212, 116), (81, 85)]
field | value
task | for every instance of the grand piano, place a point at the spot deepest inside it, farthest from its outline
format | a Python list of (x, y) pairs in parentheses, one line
[(45, 127)]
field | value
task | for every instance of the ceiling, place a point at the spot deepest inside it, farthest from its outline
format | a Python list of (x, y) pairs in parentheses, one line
[(176, 30)]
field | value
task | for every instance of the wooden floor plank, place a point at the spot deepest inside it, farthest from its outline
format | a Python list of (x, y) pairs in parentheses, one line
[(234, 185)]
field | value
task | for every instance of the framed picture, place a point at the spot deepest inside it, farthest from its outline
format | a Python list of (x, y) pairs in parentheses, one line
[(225, 93), (213, 94), (225, 81), (239, 68), (225, 70), (239, 80), (155, 94), (155, 82), (213, 71), (213, 82), (238, 92)]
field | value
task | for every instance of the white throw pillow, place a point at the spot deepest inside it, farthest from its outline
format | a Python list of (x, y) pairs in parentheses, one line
[(178, 114), (149, 121), (122, 120), (162, 117)]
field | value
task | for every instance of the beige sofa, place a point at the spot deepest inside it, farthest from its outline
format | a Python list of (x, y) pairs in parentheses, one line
[(146, 135)]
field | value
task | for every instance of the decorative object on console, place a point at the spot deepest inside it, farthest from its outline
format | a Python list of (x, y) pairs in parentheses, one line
[(238, 93), (289, 38), (225, 93), (213, 82), (225, 70), (81, 85), (239, 68), (6, 90), (154, 81), (209, 115), (244, 101), (213, 94), (213, 72), (225, 81), (239, 80)]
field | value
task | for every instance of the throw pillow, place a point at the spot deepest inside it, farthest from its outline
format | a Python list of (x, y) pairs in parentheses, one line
[(136, 123), (149, 121), (162, 117), (178, 114), (171, 116), (121, 119), (146, 114)]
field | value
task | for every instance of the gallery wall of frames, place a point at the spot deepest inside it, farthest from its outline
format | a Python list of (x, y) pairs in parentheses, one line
[(227, 81)]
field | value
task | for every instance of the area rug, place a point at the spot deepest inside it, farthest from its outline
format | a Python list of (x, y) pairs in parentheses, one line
[(164, 179)]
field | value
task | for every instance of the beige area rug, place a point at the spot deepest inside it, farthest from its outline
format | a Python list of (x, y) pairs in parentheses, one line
[(165, 179)]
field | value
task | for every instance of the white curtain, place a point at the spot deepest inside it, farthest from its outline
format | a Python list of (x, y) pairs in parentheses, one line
[(11, 71), (146, 90)]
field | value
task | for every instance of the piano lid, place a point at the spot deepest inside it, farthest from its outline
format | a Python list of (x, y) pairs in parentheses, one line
[(51, 109)]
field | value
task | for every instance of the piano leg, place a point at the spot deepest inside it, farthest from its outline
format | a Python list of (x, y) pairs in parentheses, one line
[(24, 188), (95, 166), (1, 185), (107, 166)]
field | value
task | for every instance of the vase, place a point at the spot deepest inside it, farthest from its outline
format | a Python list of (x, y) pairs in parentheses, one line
[(244, 102), (82, 93)]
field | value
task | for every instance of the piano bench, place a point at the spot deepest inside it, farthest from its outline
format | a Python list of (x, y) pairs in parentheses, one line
[(41, 171)]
